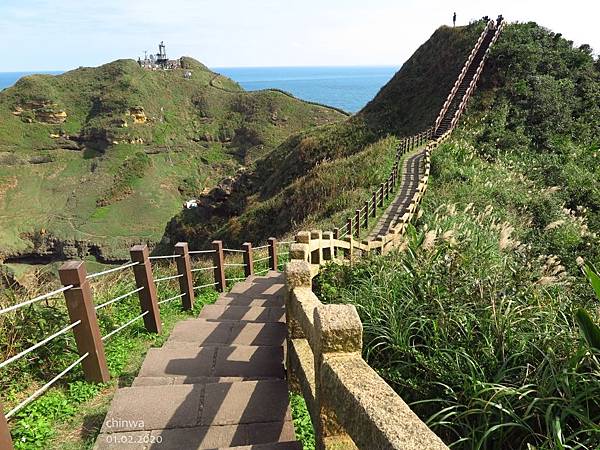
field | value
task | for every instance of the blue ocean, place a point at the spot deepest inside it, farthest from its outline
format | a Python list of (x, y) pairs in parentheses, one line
[(348, 88)]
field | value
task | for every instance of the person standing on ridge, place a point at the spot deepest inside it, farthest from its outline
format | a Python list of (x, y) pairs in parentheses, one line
[(454, 20)]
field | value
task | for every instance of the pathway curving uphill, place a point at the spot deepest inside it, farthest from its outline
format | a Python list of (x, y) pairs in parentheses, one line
[(412, 170), (447, 119)]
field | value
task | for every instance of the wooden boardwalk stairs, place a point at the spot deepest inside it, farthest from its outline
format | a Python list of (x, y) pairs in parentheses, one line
[(411, 173), (448, 118), (218, 382)]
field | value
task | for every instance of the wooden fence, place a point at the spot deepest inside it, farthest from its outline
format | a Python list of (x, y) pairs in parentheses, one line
[(82, 308)]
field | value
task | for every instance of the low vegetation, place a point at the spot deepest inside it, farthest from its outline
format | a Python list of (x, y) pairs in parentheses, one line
[(484, 321), (70, 414)]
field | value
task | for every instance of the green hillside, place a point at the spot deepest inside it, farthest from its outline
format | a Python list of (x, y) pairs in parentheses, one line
[(474, 322), (97, 159), (317, 176)]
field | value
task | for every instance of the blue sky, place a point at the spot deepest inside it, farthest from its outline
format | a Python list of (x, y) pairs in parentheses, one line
[(64, 34)]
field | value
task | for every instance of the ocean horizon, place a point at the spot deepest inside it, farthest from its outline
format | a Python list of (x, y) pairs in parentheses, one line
[(347, 87)]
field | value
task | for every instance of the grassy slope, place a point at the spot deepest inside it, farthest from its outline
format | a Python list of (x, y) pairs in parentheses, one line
[(197, 133), (474, 322), (316, 177)]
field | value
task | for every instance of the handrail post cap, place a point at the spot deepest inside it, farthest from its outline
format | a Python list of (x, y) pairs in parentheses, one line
[(72, 272), (339, 328), (298, 274)]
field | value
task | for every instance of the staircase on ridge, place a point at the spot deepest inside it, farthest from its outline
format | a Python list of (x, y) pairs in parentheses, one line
[(217, 383), (466, 81)]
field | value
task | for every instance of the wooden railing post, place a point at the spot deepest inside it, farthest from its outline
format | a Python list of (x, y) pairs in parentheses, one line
[(381, 197), (349, 226), (367, 215), (5, 438), (219, 263), (273, 265), (374, 208), (80, 306), (357, 222), (248, 259), (145, 280), (186, 280)]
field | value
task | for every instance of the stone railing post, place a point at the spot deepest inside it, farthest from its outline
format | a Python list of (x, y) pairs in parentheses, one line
[(219, 264), (145, 280), (248, 259), (186, 281), (301, 249), (338, 331), (297, 274), (80, 306), (273, 264), (328, 249), (316, 256), (5, 438)]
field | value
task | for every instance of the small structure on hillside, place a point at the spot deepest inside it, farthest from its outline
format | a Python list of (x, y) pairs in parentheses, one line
[(189, 204), (159, 60)]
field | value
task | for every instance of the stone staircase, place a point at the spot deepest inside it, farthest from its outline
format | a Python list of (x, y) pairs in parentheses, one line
[(217, 383)]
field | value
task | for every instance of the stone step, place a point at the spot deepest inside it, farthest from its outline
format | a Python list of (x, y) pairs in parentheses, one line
[(187, 362), (203, 332), (147, 408), (243, 313), (242, 437), (200, 438), (264, 287), (272, 297), (274, 446)]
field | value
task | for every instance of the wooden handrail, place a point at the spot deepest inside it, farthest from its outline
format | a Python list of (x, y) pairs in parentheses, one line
[(462, 74)]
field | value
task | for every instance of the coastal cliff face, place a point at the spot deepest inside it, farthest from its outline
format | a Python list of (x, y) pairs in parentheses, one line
[(97, 159)]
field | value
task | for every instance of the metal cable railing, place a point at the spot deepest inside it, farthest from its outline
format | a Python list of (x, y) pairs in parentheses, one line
[(115, 269), (205, 285), (172, 298), (120, 297), (36, 299), (164, 257), (172, 277), (200, 252), (201, 269), (262, 259), (125, 325), (235, 279), (44, 388), (38, 345)]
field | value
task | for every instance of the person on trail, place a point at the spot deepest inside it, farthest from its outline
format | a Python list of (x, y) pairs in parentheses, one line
[(454, 20)]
